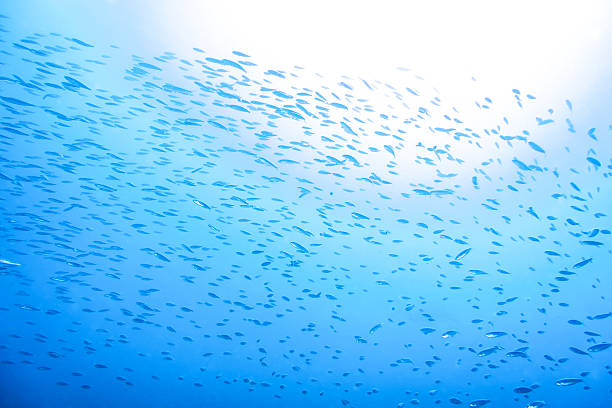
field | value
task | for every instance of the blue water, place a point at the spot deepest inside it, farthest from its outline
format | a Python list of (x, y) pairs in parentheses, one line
[(183, 230)]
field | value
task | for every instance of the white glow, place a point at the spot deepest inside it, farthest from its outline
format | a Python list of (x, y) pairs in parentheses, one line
[(551, 48), (536, 45)]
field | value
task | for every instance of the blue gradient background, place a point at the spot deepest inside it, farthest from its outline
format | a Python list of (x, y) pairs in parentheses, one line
[(116, 285)]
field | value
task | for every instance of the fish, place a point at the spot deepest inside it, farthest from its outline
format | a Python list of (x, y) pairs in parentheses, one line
[(578, 351), (462, 254), (599, 347), (583, 263), (7, 262), (568, 381)]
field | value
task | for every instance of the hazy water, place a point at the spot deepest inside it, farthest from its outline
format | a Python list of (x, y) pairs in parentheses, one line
[(199, 230)]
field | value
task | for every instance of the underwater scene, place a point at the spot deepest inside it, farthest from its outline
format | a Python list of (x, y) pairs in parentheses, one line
[(195, 228)]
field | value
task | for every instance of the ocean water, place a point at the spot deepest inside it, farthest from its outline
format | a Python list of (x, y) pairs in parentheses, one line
[(197, 229)]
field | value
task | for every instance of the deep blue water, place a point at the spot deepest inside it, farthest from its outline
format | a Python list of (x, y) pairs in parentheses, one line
[(201, 230)]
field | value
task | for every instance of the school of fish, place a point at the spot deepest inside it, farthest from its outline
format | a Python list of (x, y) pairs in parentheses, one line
[(199, 230)]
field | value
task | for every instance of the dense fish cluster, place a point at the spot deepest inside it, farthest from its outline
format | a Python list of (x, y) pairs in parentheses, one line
[(195, 230)]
